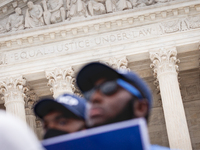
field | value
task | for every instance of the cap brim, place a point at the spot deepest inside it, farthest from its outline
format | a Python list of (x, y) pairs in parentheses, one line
[(45, 106), (92, 72)]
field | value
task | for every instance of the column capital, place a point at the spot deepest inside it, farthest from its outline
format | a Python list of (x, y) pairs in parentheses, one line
[(61, 81), (13, 87), (77, 91), (30, 100), (165, 60), (118, 63), (13, 90)]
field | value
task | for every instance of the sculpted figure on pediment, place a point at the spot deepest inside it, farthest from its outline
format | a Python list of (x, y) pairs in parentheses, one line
[(142, 3), (46, 13), (96, 7), (34, 16), (162, 1), (110, 6), (76, 8), (123, 5), (15, 21), (2, 29), (56, 9)]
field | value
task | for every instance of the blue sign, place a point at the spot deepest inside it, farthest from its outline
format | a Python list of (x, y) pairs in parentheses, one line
[(126, 135)]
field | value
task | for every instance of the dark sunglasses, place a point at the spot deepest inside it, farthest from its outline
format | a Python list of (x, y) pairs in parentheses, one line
[(111, 87)]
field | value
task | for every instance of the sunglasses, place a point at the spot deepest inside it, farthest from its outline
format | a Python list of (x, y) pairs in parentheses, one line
[(111, 87)]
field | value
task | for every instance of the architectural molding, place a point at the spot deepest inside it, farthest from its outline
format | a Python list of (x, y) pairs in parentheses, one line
[(123, 36), (165, 69), (118, 63), (13, 87), (61, 81), (30, 100), (97, 24), (164, 61), (13, 90)]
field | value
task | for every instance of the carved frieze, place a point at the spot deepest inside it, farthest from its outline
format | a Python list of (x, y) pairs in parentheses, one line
[(15, 21), (34, 16), (96, 8), (54, 11), (76, 8), (193, 22), (89, 42)]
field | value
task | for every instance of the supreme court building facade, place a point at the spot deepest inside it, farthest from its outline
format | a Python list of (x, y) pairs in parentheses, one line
[(44, 43)]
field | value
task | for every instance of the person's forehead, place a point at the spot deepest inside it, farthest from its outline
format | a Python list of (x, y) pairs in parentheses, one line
[(104, 79), (52, 115)]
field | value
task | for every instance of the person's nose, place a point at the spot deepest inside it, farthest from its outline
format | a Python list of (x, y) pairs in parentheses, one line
[(96, 98), (51, 125)]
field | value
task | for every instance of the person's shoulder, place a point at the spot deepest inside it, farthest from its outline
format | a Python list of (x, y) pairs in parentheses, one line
[(157, 147)]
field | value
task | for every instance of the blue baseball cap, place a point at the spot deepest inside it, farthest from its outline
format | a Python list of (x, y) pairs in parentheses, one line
[(70, 105), (94, 71)]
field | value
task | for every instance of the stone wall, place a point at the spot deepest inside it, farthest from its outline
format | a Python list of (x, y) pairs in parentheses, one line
[(190, 88)]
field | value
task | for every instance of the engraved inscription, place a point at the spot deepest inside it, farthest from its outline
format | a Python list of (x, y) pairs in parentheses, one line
[(70, 46)]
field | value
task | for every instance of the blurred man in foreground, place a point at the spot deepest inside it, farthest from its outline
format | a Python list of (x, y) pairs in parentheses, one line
[(64, 115), (16, 135), (114, 96)]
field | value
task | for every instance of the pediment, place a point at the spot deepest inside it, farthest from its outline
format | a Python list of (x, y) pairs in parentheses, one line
[(90, 9), (134, 17)]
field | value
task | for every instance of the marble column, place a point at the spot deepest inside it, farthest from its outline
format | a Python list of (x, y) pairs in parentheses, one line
[(61, 81), (165, 69), (30, 100), (13, 94)]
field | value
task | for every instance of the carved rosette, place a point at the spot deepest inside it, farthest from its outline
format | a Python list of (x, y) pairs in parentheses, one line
[(13, 89), (116, 63), (164, 61), (61, 81)]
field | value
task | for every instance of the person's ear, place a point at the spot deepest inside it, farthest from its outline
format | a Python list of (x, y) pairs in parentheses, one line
[(140, 108)]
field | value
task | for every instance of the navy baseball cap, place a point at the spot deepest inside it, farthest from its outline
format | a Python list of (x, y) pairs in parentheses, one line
[(71, 106), (94, 71)]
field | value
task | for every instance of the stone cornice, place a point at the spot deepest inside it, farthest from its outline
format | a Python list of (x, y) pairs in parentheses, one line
[(97, 24)]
